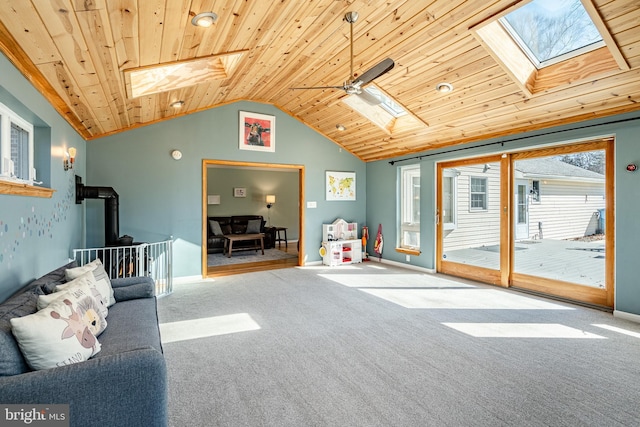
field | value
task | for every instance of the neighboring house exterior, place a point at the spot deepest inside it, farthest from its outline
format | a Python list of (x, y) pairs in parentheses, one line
[(554, 200), (471, 206), (563, 200)]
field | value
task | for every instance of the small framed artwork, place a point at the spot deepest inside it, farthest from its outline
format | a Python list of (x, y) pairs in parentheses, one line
[(340, 185), (239, 192), (257, 132)]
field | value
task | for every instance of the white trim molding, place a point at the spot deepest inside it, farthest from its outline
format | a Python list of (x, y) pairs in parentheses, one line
[(626, 316)]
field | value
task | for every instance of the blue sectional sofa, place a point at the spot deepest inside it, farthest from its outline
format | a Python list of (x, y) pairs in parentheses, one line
[(124, 384)]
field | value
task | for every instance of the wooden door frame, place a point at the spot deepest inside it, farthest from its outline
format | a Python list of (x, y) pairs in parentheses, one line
[(506, 276), (209, 162), (597, 296), (487, 275)]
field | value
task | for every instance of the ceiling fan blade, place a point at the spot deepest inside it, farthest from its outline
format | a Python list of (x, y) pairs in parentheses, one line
[(369, 98), (319, 87), (374, 72)]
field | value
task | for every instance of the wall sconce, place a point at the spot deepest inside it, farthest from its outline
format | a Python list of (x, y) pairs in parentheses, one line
[(213, 199), (69, 158), (271, 200)]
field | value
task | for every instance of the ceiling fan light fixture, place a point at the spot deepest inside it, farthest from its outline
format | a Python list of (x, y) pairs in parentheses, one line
[(204, 19), (444, 87)]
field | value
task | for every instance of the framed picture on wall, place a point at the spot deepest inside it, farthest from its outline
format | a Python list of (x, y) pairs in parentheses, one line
[(257, 132), (340, 185), (239, 192)]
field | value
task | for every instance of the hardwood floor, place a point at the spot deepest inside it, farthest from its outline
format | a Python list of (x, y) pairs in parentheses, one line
[(291, 248)]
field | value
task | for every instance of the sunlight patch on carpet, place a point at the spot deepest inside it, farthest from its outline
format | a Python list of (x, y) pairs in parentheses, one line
[(618, 330), (462, 299), (207, 327), (521, 330), (394, 281)]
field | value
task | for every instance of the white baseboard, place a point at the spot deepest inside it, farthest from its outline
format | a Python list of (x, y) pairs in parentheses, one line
[(404, 265), (189, 279), (626, 316), (384, 261)]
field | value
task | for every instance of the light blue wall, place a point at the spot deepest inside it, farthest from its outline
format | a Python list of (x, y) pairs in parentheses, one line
[(36, 234), (161, 197), (382, 194)]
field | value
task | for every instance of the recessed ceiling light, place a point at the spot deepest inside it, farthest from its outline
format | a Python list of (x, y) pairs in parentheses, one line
[(444, 87), (177, 104), (340, 127), (204, 19)]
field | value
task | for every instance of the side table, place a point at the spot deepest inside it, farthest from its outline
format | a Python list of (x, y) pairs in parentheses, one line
[(279, 237)]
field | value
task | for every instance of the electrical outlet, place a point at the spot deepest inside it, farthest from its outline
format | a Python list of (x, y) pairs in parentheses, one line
[(407, 258)]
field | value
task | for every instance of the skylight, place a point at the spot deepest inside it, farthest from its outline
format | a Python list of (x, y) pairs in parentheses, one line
[(380, 109), (387, 103), (550, 31)]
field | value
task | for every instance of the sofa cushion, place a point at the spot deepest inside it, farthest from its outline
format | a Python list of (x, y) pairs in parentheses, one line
[(215, 228), (57, 335), (12, 361), (49, 281), (100, 275), (135, 291), (253, 226), (133, 324), (239, 228)]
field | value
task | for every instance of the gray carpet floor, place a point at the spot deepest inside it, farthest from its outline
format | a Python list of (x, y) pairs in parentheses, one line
[(377, 345), (241, 257)]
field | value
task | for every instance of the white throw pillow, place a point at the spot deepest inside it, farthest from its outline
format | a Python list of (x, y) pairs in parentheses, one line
[(99, 274), (100, 290), (92, 312), (56, 335)]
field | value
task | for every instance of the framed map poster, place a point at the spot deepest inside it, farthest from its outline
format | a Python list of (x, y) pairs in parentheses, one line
[(340, 185)]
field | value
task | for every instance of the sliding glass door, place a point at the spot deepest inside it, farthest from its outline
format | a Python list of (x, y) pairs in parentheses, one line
[(540, 220), (470, 218), (566, 247)]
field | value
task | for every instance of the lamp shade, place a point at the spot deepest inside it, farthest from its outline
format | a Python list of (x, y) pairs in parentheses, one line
[(213, 199), (271, 199)]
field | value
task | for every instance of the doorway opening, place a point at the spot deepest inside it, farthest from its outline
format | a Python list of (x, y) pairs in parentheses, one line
[(238, 190)]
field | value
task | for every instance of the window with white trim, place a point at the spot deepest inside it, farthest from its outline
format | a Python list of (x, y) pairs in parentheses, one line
[(410, 207), (449, 199), (16, 147), (477, 194)]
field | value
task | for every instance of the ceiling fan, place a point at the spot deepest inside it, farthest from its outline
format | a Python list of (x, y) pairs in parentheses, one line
[(354, 85)]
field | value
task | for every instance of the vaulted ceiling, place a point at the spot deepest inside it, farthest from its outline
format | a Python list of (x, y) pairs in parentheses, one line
[(81, 53)]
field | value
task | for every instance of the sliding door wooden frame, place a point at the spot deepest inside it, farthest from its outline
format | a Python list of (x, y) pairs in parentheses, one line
[(486, 275), (598, 296), (506, 276), (206, 163)]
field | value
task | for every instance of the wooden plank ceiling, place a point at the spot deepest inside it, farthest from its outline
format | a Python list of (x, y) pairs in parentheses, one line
[(76, 53)]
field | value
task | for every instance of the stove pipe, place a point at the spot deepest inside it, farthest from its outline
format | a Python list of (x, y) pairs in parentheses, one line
[(111, 208)]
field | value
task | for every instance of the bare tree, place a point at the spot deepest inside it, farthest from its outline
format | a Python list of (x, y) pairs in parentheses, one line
[(589, 160), (551, 34)]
